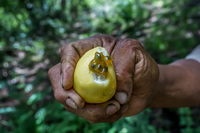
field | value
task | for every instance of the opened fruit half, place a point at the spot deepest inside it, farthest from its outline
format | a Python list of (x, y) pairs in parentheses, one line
[(94, 76)]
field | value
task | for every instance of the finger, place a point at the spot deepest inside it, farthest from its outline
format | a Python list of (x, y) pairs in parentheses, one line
[(69, 97), (71, 53), (112, 118), (136, 106), (95, 113), (124, 68)]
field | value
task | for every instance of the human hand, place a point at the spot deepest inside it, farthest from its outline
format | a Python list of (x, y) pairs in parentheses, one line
[(136, 74)]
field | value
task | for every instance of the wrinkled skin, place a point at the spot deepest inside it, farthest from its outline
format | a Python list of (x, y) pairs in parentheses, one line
[(136, 73)]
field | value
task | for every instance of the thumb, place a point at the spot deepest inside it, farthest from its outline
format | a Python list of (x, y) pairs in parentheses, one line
[(69, 97), (69, 58)]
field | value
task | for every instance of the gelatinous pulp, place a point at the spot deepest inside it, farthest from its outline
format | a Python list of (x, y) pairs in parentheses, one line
[(99, 65)]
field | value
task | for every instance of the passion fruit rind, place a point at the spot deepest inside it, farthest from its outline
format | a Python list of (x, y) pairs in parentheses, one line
[(95, 84)]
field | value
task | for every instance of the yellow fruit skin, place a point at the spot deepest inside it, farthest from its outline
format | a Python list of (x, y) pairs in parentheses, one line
[(91, 89)]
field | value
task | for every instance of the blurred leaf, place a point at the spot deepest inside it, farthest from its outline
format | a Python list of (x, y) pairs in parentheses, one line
[(34, 98), (33, 31), (6, 110)]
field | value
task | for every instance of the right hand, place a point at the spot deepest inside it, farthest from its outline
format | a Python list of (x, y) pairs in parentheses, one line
[(136, 73)]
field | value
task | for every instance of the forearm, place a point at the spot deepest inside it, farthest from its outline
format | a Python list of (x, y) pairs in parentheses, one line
[(178, 86)]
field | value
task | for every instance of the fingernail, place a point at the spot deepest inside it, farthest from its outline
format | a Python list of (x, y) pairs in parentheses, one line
[(121, 97), (62, 83), (71, 103), (111, 109), (66, 84)]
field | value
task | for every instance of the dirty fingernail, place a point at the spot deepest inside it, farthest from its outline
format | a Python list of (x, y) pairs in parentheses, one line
[(62, 81), (121, 97), (67, 84), (111, 109), (71, 103)]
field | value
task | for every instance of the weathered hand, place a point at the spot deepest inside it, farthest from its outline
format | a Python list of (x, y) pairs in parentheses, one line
[(136, 74)]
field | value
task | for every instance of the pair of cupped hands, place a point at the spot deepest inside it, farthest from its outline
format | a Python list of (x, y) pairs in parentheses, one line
[(136, 73)]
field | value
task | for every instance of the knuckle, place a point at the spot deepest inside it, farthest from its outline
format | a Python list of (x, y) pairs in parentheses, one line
[(98, 35), (50, 72), (132, 43), (94, 115), (63, 48), (104, 37), (58, 96), (111, 120), (69, 109)]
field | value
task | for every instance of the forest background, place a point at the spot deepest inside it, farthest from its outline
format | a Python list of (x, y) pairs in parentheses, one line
[(33, 31)]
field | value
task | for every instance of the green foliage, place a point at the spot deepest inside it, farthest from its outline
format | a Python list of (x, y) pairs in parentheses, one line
[(32, 31)]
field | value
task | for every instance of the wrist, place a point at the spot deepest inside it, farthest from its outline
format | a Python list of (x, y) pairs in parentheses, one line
[(158, 92), (178, 85)]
